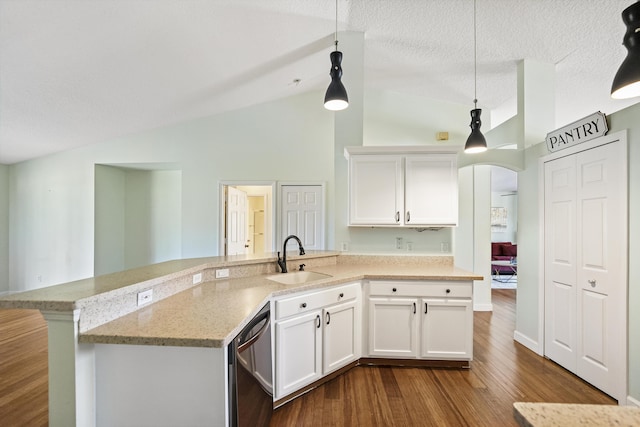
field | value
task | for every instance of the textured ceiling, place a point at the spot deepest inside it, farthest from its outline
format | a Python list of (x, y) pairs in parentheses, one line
[(81, 72)]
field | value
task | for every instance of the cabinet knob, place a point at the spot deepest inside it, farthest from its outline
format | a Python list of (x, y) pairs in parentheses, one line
[(592, 283), (448, 291), (303, 305), (341, 295), (394, 289)]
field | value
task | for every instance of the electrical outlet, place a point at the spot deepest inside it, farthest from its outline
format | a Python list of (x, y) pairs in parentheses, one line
[(197, 278), (344, 247), (398, 242), (145, 297), (222, 273), (409, 246), (444, 247)]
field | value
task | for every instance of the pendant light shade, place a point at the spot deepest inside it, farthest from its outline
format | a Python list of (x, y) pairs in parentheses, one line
[(336, 97), (626, 83), (476, 143)]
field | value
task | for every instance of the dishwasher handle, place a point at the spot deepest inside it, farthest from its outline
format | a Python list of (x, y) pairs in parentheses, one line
[(245, 343)]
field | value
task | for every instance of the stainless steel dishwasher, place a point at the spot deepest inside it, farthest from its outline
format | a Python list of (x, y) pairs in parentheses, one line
[(250, 373)]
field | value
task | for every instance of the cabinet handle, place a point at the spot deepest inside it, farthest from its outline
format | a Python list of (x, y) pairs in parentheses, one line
[(414, 308), (425, 308), (398, 216), (318, 320), (408, 216), (394, 289), (341, 295), (328, 317), (592, 283), (303, 305), (448, 291)]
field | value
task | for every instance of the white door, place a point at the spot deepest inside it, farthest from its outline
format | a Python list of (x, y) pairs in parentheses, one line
[(431, 190), (560, 261), (236, 221), (587, 313), (303, 215)]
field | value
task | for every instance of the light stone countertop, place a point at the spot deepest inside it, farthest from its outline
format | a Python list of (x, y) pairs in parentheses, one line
[(212, 314), (566, 415), (209, 314)]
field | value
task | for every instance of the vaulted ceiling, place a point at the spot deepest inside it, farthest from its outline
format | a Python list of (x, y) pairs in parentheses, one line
[(82, 72)]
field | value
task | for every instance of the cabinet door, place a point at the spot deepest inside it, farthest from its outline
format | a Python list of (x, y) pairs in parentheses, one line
[(431, 190), (447, 329), (298, 352), (375, 190), (341, 335), (393, 328)]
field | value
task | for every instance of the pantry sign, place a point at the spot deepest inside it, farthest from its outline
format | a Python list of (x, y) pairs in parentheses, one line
[(578, 132)]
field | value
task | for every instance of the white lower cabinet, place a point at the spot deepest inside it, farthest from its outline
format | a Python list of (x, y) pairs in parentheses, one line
[(421, 319), (298, 352), (446, 329), (393, 327), (315, 334)]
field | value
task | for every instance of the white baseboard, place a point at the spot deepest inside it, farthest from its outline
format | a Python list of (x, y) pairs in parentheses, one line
[(633, 402), (483, 307), (531, 344)]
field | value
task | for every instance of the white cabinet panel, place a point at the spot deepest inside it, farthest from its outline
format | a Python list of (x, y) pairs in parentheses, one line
[(375, 190), (298, 352), (446, 330), (393, 327), (403, 190), (341, 335)]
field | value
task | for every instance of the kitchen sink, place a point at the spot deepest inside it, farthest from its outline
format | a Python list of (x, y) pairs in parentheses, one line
[(297, 277)]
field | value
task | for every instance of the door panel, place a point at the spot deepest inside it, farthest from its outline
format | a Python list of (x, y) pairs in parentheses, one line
[(588, 301), (303, 215), (236, 221), (560, 262)]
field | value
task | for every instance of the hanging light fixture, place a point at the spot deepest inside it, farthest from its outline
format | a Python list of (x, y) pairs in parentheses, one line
[(476, 142), (336, 97), (626, 83)]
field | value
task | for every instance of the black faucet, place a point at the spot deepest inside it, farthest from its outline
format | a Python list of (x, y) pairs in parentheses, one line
[(282, 262)]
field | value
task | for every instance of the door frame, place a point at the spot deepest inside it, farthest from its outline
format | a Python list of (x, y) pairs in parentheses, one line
[(221, 207), (622, 137)]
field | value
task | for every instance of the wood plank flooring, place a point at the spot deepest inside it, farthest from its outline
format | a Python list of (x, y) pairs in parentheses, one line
[(24, 385), (502, 372)]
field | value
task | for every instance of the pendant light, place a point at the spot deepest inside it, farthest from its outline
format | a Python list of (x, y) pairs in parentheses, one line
[(476, 142), (336, 97), (626, 83)]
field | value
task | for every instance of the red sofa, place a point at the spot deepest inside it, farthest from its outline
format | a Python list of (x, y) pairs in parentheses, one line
[(503, 251)]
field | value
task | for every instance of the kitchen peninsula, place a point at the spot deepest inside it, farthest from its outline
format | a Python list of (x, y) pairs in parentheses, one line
[(174, 346)]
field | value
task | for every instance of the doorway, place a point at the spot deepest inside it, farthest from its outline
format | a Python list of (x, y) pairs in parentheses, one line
[(504, 228), (246, 218)]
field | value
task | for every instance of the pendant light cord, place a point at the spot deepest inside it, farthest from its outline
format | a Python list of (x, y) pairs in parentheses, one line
[(475, 59), (336, 33)]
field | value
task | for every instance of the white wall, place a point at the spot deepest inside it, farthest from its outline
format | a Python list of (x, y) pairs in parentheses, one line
[(109, 219), (4, 228), (509, 201), (52, 198)]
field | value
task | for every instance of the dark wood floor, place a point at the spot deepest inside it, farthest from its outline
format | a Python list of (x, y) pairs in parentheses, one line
[(502, 372)]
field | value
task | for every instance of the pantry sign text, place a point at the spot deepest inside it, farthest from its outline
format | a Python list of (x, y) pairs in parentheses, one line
[(578, 132)]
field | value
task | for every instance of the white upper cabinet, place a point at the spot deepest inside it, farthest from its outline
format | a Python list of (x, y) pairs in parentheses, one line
[(391, 188)]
